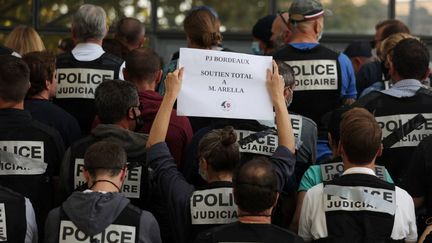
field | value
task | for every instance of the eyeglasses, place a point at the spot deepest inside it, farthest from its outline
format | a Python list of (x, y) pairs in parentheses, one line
[(280, 13)]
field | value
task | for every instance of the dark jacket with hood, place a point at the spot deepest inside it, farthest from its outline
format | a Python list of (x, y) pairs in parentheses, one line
[(93, 212)]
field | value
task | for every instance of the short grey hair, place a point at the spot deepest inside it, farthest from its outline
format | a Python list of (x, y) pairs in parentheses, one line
[(113, 98), (287, 73), (90, 22)]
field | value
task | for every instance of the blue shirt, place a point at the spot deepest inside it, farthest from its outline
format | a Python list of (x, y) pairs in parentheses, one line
[(348, 89)]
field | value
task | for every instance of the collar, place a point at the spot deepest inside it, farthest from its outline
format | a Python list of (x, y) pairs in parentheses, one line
[(87, 51), (359, 170), (404, 88)]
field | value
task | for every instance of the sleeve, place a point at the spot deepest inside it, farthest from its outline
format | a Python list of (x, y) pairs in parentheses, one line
[(310, 178), (121, 77), (305, 223), (415, 180), (52, 225), (405, 226), (173, 188), (284, 162), (348, 89), (32, 231), (149, 229)]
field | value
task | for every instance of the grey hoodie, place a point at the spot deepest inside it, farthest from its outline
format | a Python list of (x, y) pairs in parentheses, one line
[(92, 212)]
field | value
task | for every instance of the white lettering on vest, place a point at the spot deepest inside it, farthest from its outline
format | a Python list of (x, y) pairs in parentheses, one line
[(330, 170), (377, 201), (80, 82), (213, 206), (29, 149), (297, 124), (391, 123), (315, 74), (3, 229), (131, 187), (265, 145), (114, 233)]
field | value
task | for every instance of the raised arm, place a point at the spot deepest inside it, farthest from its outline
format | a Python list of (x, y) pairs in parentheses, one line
[(159, 129), (275, 86)]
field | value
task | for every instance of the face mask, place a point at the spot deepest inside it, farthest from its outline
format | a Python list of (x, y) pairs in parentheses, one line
[(139, 122), (256, 50)]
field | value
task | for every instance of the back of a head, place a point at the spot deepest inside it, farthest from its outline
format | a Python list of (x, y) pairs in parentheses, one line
[(113, 98), (390, 42), (255, 186), (42, 67), (202, 28), (129, 30), (142, 65), (360, 136), (334, 122), (14, 79), (24, 39), (390, 27), (89, 22), (410, 59), (104, 158), (287, 73), (358, 49), (220, 149), (262, 30)]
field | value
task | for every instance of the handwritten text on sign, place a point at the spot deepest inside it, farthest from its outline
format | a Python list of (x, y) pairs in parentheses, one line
[(224, 84)]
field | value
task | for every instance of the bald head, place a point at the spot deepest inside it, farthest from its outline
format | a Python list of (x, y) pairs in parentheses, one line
[(130, 31)]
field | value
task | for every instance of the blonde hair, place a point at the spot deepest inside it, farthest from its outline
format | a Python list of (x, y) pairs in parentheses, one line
[(390, 42), (24, 39)]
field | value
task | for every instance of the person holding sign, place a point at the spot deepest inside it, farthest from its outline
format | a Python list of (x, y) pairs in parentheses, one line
[(347, 208), (102, 213), (191, 209), (322, 75)]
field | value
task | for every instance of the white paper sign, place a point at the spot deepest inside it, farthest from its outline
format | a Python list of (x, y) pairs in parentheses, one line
[(224, 84)]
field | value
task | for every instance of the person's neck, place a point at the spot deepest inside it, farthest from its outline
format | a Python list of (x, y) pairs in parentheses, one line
[(93, 41), (11, 105), (123, 124), (144, 85), (303, 38), (104, 184), (260, 218), (349, 165), (44, 95), (219, 176)]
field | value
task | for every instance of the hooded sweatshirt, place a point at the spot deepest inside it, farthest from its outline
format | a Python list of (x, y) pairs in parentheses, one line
[(92, 212)]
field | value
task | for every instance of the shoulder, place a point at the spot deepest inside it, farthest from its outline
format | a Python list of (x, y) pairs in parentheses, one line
[(308, 122), (49, 132), (368, 99), (403, 198)]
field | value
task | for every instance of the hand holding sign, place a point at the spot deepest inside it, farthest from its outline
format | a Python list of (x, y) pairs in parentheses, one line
[(173, 83), (275, 85)]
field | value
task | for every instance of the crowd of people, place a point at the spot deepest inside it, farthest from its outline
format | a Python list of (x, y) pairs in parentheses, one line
[(92, 148)]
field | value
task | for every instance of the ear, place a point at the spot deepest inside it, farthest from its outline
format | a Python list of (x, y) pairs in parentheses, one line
[(286, 92), (380, 150), (426, 76), (203, 164), (329, 137), (130, 114), (125, 74), (287, 35), (123, 174), (277, 198), (341, 150), (48, 84), (158, 77), (87, 176)]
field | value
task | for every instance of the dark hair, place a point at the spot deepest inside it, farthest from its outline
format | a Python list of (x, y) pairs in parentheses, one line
[(202, 28), (360, 136), (411, 59), (220, 149), (391, 27), (255, 185), (113, 98), (129, 30), (334, 122), (287, 73), (105, 157), (42, 67), (14, 78), (142, 64)]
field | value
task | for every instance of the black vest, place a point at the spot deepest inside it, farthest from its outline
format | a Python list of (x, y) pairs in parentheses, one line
[(77, 82), (391, 114), (125, 229), (137, 185), (13, 223), (211, 207), (356, 221), (318, 80), (5, 51)]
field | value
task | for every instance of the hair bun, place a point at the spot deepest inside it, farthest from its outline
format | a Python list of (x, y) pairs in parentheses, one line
[(229, 136)]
